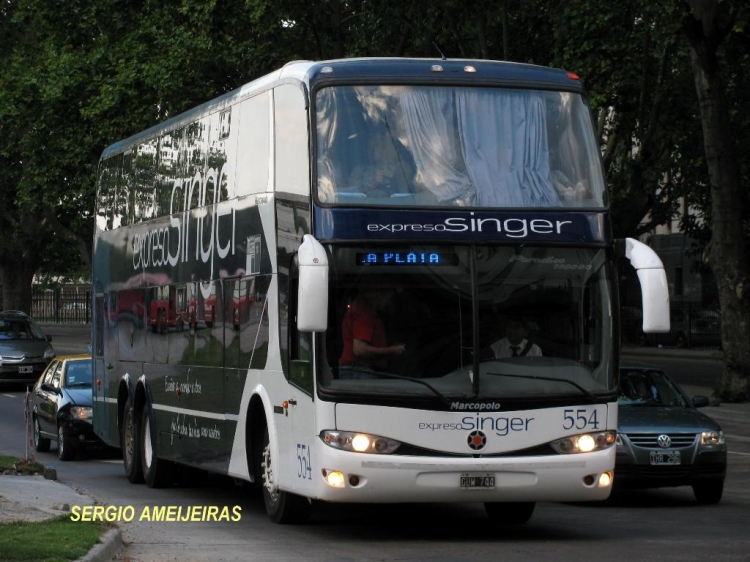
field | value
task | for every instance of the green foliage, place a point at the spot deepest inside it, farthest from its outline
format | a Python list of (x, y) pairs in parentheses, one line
[(76, 76)]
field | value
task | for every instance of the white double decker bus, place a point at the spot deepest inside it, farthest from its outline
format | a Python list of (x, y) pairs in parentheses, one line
[(232, 240)]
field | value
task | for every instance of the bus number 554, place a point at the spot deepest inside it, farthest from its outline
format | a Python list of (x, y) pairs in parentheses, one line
[(304, 470), (580, 419)]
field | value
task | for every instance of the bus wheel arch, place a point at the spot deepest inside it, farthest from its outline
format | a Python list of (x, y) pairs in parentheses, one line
[(282, 507), (255, 427)]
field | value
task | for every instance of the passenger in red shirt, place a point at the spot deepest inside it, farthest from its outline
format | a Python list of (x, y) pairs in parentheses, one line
[(366, 348)]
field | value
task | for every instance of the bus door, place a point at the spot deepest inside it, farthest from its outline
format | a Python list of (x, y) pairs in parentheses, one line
[(104, 350)]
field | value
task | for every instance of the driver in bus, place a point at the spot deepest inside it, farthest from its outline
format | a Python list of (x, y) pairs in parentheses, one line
[(516, 342), (366, 350)]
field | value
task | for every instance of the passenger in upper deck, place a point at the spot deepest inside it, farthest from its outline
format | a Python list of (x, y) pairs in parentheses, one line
[(386, 169)]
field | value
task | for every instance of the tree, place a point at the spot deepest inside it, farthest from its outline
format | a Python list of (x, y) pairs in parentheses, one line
[(707, 24)]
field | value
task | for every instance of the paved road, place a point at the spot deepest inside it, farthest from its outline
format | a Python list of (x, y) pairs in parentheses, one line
[(662, 525)]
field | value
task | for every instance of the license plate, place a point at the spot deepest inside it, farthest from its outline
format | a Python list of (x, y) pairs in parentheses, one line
[(665, 457), (477, 481), (26, 369)]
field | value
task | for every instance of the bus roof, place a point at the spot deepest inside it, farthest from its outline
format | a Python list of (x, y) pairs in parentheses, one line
[(381, 70)]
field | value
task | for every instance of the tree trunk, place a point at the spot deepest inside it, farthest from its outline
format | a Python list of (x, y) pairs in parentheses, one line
[(15, 280), (727, 251)]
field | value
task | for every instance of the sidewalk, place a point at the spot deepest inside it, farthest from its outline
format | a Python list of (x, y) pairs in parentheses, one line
[(36, 498)]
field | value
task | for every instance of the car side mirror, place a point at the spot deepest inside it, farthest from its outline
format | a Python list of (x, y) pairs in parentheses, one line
[(50, 388)]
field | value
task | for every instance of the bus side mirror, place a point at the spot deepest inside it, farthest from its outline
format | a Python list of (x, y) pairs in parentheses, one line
[(654, 288), (312, 294)]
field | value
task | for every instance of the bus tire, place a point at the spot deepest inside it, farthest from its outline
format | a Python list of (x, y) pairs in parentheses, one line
[(156, 471), (129, 442), (509, 513), (281, 507)]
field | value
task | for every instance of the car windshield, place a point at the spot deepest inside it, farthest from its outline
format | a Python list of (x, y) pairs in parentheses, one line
[(19, 329), (78, 373), (649, 388)]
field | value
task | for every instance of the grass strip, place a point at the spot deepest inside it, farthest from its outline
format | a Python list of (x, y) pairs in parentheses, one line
[(55, 540), (19, 466)]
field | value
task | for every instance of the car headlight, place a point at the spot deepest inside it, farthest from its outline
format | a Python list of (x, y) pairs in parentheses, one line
[(49, 353), (81, 412), (712, 438), (359, 442), (584, 443)]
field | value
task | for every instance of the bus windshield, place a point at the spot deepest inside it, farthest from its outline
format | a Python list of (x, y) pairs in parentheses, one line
[(456, 146), (537, 319)]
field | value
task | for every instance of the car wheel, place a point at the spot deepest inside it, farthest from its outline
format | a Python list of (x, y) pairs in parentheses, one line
[(129, 442), (709, 492), (65, 448), (281, 507), (156, 471), (41, 444), (509, 513)]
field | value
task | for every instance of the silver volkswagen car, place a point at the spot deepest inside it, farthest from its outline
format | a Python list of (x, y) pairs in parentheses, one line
[(25, 350), (662, 438)]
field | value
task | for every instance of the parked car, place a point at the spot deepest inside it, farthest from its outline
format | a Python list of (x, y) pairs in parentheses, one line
[(25, 350), (61, 406), (663, 440), (691, 328)]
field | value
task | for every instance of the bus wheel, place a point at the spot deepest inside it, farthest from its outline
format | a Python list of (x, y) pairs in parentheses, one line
[(131, 451), (281, 507), (509, 513), (156, 471)]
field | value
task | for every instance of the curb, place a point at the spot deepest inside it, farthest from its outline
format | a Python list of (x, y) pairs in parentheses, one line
[(110, 544)]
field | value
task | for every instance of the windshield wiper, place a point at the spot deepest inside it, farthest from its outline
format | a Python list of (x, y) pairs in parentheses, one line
[(588, 393), (437, 393)]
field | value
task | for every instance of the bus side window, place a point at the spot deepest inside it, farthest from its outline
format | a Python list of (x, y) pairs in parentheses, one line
[(300, 343)]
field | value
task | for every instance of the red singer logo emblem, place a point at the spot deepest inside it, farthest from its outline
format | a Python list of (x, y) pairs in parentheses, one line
[(477, 440)]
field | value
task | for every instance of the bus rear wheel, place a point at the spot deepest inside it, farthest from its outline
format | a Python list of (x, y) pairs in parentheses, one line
[(281, 507), (129, 442), (156, 471), (510, 513)]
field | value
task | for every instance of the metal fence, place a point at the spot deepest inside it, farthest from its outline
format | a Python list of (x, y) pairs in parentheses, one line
[(70, 304)]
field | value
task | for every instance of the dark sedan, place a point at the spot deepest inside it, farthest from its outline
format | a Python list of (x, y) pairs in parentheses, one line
[(61, 406), (25, 349), (663, 440)]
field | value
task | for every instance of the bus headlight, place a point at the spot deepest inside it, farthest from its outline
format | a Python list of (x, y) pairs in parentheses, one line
[(584, 443), (359, 442)]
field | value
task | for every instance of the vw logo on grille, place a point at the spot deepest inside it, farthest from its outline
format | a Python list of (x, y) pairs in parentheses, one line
[(477, 440), (664, 441)]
